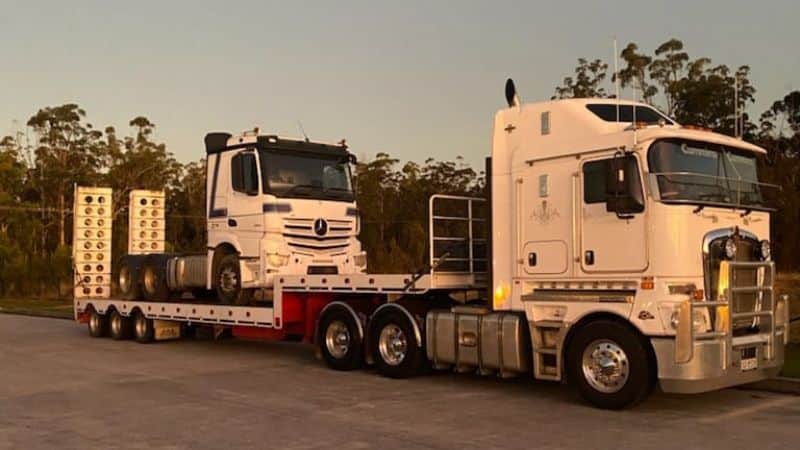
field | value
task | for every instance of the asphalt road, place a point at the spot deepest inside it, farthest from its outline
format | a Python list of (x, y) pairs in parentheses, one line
[(61, 389)]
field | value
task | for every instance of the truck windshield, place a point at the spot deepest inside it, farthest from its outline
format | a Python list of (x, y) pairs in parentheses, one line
[(306, 175), (706, 174)]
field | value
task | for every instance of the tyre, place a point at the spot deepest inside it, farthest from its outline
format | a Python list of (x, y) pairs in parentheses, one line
[(228, 282), (394, 347), (128, 279), (153, 281), (119, 326), (143, 331), (98, 324), (340, 340), (609, 364)]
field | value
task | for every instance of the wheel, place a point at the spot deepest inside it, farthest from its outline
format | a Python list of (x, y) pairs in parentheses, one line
[(229, 282), (119, 326), (143, 330), (98, 324), (394, 347), (153, 281), (129, 287), (339, 340), (610, 365)]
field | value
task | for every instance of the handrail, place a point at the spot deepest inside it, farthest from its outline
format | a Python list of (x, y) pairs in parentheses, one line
[(469, 240)]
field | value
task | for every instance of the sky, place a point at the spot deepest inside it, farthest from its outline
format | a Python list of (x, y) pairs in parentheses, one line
[(411, 79)]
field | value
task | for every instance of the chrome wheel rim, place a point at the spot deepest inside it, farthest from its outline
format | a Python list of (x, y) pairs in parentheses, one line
[(337, 339), (228, 279), (605, 366), (125, 279), (392, 345)]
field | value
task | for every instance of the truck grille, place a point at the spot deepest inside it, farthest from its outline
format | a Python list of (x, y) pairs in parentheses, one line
[(302, 238), (747, 296)]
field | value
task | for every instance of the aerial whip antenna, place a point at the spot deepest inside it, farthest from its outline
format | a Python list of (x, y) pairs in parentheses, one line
[(616, 78), (303, 130)]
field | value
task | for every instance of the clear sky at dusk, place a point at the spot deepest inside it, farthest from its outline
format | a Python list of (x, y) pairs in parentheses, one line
[(413, 79)]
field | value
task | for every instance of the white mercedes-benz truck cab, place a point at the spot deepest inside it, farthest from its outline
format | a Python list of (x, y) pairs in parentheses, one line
[(273, 205), (277, 205), (608, 212)]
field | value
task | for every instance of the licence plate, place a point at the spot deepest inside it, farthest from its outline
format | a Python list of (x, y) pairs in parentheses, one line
[(749, 360)]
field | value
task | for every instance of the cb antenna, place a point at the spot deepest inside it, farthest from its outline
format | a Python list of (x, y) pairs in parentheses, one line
[(616, 78), (303, 130)]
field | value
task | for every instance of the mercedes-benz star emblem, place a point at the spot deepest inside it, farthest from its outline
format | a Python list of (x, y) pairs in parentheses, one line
[(320, 227)]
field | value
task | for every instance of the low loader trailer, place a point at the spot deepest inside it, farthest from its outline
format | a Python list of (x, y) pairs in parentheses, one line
[(615, 250)]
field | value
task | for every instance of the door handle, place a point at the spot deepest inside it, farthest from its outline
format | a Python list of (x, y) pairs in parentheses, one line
[(232, 222), (532, 259), (588, 257)]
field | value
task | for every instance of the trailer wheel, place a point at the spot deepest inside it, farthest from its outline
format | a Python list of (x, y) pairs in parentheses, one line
[(228, 282), (339, 340), (143, 330), (394, 346), (610, 365), (119, 326), (98, 324)]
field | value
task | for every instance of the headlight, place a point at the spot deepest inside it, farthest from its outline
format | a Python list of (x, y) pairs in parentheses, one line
[(699, 320), (730, 249), (766, 250), (277, 260)]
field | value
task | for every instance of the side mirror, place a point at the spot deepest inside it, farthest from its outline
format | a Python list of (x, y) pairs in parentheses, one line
[(623, 187)]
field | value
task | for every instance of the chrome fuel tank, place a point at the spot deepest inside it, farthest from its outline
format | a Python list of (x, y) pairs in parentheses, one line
[(473, 338)]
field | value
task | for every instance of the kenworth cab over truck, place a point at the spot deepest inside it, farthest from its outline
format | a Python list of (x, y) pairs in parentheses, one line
[(615, 250)]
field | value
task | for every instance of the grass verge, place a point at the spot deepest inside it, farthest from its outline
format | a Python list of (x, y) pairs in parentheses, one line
[(37, 307)]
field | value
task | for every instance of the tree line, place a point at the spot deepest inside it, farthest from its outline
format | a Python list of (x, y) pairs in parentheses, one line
[(59, 147)]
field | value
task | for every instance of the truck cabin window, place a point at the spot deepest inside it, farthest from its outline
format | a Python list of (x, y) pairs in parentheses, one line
[(306, 175), (705, 174), (627, 198), (244, 173), (610, 112)]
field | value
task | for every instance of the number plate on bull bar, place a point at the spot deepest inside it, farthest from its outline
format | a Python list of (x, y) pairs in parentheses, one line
[(749, 359)]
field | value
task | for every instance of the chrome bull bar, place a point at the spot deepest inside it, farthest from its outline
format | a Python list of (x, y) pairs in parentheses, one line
[(721, 315)]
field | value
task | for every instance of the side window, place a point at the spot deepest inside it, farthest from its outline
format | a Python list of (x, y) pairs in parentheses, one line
[(244, 173), (594, 181)]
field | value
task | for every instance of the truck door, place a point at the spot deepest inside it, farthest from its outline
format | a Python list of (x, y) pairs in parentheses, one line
[(610, 242), (245, 202)]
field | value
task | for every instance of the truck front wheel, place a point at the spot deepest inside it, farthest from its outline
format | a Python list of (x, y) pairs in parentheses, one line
[(609, 364), (228, 281), (339, 340), (394, 345)]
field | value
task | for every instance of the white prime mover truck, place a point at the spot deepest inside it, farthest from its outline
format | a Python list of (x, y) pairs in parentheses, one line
[(615, 250)]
